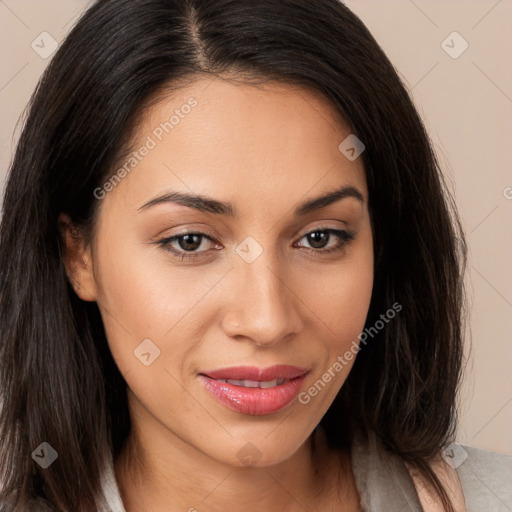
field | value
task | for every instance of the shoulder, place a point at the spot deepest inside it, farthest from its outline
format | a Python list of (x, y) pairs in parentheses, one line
[(475, 480), (486, 477), (381, 478)]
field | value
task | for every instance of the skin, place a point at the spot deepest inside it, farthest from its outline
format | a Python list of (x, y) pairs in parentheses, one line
[(265, 150)]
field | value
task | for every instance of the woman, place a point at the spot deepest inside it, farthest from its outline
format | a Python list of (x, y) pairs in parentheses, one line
[(231, 274)]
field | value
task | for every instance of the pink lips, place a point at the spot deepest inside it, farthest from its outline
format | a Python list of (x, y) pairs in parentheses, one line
[(263, 390)]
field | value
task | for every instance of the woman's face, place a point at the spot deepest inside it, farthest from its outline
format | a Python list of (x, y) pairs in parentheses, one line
[(263, 274)]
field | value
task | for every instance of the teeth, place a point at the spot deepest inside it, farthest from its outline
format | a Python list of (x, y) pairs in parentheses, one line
[(249, 383), (254, 383), (268, 383)]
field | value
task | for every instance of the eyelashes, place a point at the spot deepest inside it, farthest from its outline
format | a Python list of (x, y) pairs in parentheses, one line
[(185, 246)]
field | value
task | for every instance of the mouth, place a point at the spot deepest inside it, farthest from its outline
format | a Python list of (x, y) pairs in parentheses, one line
[(264, 384), (255, 391)]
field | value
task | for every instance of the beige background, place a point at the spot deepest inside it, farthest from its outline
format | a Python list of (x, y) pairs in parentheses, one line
[(466, 103)]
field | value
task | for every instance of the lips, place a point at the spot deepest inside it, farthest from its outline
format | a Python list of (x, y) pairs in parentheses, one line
[(255, 391), (245, 383), (280, 371)]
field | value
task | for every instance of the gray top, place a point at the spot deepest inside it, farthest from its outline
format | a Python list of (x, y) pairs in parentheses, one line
[(384, 483)]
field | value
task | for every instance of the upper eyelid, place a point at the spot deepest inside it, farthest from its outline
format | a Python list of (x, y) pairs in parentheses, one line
[(173, 238), (212, 236)]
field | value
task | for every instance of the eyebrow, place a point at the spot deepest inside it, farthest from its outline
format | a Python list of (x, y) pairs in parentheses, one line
[(209, 205)]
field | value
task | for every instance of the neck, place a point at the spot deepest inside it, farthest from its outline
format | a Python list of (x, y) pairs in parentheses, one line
[(157, 470)]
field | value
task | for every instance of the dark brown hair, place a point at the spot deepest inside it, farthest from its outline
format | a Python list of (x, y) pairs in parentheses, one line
[(58, 380)]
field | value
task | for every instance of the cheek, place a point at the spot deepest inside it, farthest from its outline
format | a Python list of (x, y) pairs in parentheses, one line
[(142, 296), (346, 304), (342, 306), (343, 299)]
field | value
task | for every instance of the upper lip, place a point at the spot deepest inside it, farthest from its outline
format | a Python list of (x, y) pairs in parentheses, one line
[(279, 371)]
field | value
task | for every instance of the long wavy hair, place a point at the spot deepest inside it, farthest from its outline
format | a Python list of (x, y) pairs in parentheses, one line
[(58, 380)]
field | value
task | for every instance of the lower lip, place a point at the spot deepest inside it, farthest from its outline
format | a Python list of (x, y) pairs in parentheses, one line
[(254, 401)]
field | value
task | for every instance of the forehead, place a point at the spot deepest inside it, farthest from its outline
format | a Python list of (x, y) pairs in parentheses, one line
[(226, 139)]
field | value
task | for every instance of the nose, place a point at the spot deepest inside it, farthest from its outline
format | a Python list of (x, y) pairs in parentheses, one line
[(263, 306)]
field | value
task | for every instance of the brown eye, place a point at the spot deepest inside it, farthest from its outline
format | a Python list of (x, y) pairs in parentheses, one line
[(319, 239), (186, 246), (189, 242)]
